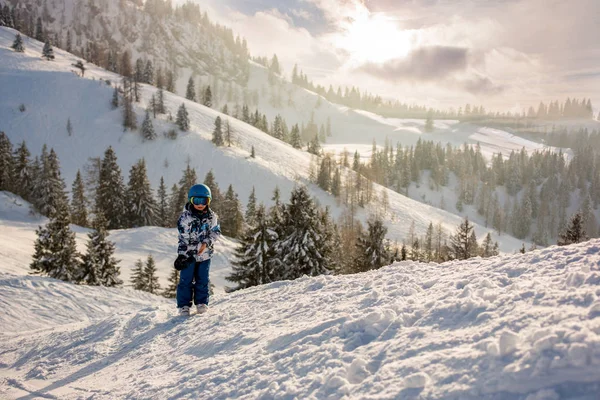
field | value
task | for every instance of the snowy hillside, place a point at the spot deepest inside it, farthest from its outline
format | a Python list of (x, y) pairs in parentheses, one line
[(17, 236), (40, 85), (517, 327)]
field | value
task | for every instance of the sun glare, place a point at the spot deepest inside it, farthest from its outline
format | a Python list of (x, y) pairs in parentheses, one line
[(376, 39)]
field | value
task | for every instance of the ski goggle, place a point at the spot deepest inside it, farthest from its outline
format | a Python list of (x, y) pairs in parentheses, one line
[(197, 201)]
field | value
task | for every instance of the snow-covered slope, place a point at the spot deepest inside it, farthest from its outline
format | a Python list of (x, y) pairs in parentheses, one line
[(17, 236), (518, 327), (41, 85)]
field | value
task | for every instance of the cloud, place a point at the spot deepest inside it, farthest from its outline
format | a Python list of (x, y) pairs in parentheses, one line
[(422, 64), (480, 85)]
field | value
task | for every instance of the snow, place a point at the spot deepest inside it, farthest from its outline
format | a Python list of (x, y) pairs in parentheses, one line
[(17, 236), (40, 85), (512, 327)]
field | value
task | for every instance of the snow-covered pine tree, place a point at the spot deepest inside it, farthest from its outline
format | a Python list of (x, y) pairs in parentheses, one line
[(461, 243), (18, 44), (295, 139), (150, 278), (228, 133), (110, 194), (99, 266), (22, 172), (160, 102), (372, 250), (190, 92), (69, 127), (78, 203), (331, 239), (115, 99), (39, 30), (48, 51), (314, 146), (207, 98), (162, 211), (141, 205), (254, 255), (175, 207), (217, 197), (137, 279), (302, 247), (230, 215), (574, 233), (147, 128), (55, 251), (488, 249), (129, 117), (148, 73), (217, 136), (170, 291), (7, 164), (183, 120), (251, 208), (49, 192)]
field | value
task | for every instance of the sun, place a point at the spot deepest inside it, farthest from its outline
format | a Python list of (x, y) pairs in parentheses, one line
[(374, 38)]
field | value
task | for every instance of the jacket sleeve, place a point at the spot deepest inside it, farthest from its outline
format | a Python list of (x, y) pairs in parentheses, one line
[(214, 232), (184, 227)]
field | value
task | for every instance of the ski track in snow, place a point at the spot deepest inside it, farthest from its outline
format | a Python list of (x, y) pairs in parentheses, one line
[(499, 328)]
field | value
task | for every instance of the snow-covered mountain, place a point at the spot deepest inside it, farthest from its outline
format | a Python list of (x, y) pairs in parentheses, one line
[(515, 327), (39, 85)]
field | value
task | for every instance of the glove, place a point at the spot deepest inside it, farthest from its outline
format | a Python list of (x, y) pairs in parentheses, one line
[(181, 262)]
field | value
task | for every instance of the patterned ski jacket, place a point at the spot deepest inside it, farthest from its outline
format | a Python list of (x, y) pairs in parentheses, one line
[(195, 228)]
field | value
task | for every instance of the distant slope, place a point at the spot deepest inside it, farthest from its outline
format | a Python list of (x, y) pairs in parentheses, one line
[(42, 85), (520, 327)]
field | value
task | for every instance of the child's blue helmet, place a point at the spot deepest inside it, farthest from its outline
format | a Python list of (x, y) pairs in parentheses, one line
[(199, 191)]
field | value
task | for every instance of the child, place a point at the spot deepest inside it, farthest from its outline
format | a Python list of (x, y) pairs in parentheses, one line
[(198, 231)]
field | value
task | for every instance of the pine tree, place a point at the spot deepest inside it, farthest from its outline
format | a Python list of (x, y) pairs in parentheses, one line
[(55, 252), (295, 139), (39, 30), (160, 102), (230, 212), (251, 208), (574, 233), (7, 164), (18, 44), (314, 147), (22, 171), (488, 249), (373, 253), (69, 127), (70, 44), (137, 276), (140, 199), (115, 99), (217, 136), (49, 186), (254, 255), (129, 117), (150, 278), (461, 244), (170, 291), (48, 51), (207, 99), (99, 266), (78, 206), (110, 194), (252, 152), (301, 249), (183, 121), (228, 133), (162, 215), (147, 128), (190, 92)]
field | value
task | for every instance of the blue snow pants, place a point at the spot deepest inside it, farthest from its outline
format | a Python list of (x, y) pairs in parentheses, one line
[(193, 284)]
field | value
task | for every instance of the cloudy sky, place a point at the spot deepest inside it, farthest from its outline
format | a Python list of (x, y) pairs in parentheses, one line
[(503, 54)]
